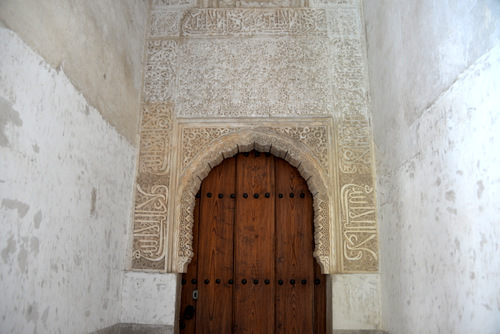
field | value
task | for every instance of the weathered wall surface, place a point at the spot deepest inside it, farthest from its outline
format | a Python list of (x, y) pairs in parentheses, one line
[(158, 289), (66, 181), (434, 70), (98, 44)]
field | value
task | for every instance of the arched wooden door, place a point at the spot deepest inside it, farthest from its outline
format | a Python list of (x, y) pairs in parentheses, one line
[(253, 270)]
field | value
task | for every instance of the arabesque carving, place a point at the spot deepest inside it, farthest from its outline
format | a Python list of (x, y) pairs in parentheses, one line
[(195, 139), (344, 21), (150, 218), (355, 155), (174, 3), (165, 23), (359, 229), (314, 137), (264, 140), (354, 146), (254, 77), (161, 64), (232, 60), (254, 22), (333, 3), (156, 133), (252, 3), (153, 180)]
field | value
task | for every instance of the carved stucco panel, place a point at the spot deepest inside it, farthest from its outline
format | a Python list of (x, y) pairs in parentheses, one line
[(152, 187), (254, 77), (196, 139), (254, 22), (351, 96), (314, 137), (160, 73), (333, 3), (359, 228), (155, 142), (252, 3), (150, 219), (344, 21), (263, 139), (165, 23), (359, 245), (173, 3)]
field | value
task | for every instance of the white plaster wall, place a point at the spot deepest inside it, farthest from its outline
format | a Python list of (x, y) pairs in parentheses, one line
[(355, 301), (98, 44), (434, 69), (149, 298), (66, 180), (416, 50)]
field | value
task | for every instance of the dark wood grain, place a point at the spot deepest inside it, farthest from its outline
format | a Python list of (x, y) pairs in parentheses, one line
[(254, 238), (215, 250), (294, 303), (254, 245), (319, 301)]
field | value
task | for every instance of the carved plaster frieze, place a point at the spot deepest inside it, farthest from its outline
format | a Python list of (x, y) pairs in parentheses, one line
[(351, 96), (354, 147), (173, 3), (161, 65), (254, 22), (254, 77), (194, 139), (155, 143), (343, 21), (252, 3), (165, 23), (333, 3), (359, 229), (314, 137), (152, 185), (263, 139), (150, 219)]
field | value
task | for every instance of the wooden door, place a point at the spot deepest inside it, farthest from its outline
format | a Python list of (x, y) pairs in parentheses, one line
[(253, 269)]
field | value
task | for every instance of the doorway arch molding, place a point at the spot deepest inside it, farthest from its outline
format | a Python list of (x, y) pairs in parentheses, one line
[(264, 140)]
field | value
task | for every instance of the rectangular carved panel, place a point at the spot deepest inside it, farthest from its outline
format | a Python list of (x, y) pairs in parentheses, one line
[(173, 3), (152, 184), (359, 228), (253, 77), (165, 23), (359, 244), (156, 130), (254, 22), (161, 65)]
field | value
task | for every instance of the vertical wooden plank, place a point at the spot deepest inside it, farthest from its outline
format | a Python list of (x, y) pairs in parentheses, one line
[(188, 326), (215, 250), (294, 249), (254, 245), (319, 301)]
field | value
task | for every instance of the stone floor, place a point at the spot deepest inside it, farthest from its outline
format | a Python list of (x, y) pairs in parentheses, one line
[(158, 329)]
